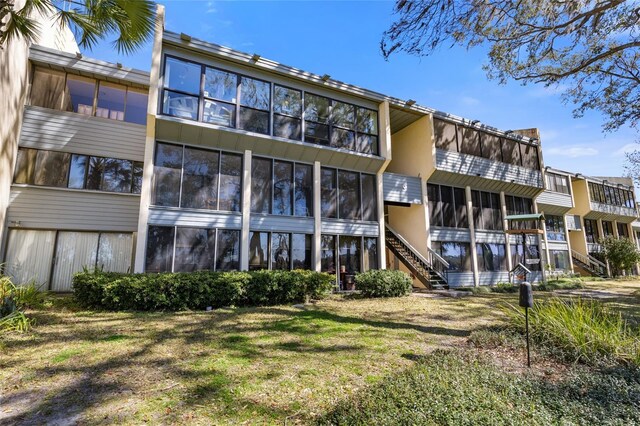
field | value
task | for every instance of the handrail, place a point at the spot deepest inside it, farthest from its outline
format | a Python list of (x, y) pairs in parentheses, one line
[(438, 257), (406, 243), (587, 259)]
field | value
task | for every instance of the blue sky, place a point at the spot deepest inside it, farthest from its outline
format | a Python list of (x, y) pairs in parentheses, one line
[(341, 38)]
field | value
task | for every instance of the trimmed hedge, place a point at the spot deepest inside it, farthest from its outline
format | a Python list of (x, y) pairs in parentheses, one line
[(384, 283), (198, 290)]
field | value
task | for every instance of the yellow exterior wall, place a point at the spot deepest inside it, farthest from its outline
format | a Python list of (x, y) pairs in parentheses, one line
[(582, 206), (413, 154)]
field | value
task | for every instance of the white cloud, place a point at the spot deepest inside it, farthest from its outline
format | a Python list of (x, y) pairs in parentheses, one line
[(630, 147), (549, 135), (574, 151), (470, 101), (210, 7), (541, 91)]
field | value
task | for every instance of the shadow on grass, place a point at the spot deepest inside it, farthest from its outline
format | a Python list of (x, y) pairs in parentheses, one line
[(70, 336)]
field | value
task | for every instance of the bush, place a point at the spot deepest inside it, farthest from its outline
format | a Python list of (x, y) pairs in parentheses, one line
[(505, 288), (197, 290), (13, 301), (560, 284), (580, 330), (384, 283)]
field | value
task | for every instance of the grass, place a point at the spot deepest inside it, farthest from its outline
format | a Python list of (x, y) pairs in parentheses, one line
[(231, 366), (452, 388), (581, 330)]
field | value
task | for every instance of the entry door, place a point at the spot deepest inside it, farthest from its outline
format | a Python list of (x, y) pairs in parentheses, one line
[(74, 251), (29, 256)]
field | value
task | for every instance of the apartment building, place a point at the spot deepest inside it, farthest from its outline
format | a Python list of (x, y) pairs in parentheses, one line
[(222, 160), (72, 161)]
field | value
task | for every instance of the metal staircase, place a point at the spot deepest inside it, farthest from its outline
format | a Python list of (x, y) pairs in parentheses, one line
[(590, 264), (430, 271)]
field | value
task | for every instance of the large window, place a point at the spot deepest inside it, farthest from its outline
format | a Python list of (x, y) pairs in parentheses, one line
[(458, 138), (281, 187), (532, 258), (70, 92), (346, 255), (287, 113), (607, 228), (220, 94), (591, 231), (456, 254), (491, 257), (238, 101), (607, 194), (555, 228), (447, 206), (348, 195), (623, 230), (559, 259), (178, 249), (557, 183), (255, 101), (196, 178), (279, 250), (65, 170), (487, 212), (520, 206)]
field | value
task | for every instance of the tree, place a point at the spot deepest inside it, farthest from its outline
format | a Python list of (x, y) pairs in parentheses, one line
[(622, 254), (589, 48), (91, 20)]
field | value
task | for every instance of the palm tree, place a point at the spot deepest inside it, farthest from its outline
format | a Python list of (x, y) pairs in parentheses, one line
[(91, 20)]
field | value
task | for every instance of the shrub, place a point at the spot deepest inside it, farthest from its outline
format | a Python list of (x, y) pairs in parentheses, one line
[(560, 284), (13, 301), (197, 290), (581, 330), (384, 283), (505, 288)]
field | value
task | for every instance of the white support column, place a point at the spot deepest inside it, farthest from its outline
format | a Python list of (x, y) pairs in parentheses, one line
[(317, 217), (614, 224), (246, 211), (472, 235), (382, 253), (505, 225), (150, 142)]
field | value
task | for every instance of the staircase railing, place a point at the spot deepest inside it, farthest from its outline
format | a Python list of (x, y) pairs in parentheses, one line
[(591, 262), (439, 265), (434, 261)]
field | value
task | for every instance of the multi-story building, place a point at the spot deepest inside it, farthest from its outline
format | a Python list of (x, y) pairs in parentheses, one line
[(222, 160), (72, 161)]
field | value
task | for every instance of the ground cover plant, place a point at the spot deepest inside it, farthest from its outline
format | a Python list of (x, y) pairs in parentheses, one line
[(453, 388), (298, 364)]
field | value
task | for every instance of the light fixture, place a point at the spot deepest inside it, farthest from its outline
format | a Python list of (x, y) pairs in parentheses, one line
[(410, 102), (185, 37), (255, 57), (474, 122), (508, 132), (78, 55), (325, 77), (119, 65)]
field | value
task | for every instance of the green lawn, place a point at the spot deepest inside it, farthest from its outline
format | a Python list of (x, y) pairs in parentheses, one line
[(255, 365)]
